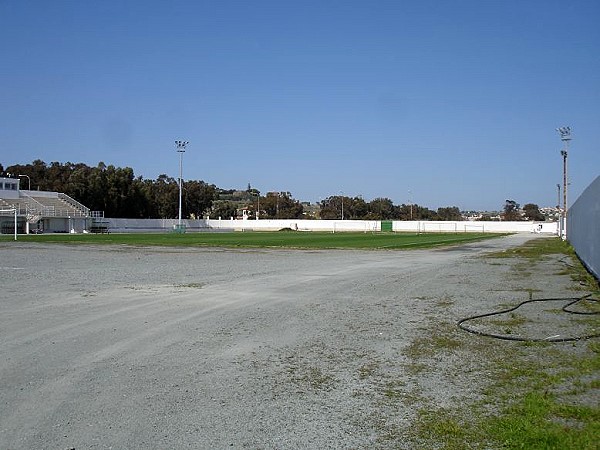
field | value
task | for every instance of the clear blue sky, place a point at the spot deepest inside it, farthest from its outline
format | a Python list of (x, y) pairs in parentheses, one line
[(441, 102)]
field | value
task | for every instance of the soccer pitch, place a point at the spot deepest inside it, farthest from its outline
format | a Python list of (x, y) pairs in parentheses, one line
[(299, 240)]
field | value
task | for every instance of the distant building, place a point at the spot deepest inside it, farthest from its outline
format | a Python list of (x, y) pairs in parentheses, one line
[(40, 211)]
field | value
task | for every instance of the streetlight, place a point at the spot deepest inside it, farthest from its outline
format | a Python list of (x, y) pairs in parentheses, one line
[(257, 193), (180, 146), (257, 204), (28, 179), (565, 136)]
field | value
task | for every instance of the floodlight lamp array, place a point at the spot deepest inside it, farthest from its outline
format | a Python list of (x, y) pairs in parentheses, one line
[(565, 133), (180, 145)]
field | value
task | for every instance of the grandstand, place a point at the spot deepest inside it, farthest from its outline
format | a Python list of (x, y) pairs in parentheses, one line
[(41, 211)]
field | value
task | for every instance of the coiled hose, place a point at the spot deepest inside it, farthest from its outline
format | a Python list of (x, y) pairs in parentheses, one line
[(557, 338)]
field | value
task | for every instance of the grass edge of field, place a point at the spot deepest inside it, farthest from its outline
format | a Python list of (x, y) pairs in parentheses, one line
[(529, 403), (270, 240)]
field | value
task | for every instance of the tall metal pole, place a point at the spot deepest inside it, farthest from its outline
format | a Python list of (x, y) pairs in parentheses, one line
[(180, 146), (565, 136), (558, 200)]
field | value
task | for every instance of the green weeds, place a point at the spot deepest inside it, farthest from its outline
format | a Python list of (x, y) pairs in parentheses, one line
[(539, 396)]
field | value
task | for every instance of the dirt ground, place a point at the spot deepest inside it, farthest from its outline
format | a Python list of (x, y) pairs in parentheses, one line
[(131, 348)]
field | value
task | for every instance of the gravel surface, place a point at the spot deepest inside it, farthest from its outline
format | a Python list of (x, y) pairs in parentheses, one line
[(155, 348)]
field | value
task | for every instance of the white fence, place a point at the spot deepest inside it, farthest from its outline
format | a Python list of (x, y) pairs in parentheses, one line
[(150, 225), (475, 227), (333, 226), (583, 227)]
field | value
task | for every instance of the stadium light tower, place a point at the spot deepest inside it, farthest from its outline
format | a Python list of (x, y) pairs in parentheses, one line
[(565, 136), (180, 146)]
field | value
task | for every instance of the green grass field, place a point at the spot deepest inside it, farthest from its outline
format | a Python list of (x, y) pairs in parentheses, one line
[(300, 240)]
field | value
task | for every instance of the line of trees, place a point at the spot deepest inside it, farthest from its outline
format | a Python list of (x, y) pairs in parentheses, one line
[(273, 205), (382, 209), (513, 212), (119, 193)]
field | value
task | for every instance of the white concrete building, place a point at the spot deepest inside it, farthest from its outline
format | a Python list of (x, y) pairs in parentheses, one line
[(39, 211)]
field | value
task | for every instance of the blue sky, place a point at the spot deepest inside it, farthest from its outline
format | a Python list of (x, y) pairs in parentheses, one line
[(443, 103)]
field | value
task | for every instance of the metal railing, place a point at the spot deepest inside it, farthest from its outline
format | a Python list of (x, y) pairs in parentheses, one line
[(75, 204), (32, 208), (21, 209), (29, 198)]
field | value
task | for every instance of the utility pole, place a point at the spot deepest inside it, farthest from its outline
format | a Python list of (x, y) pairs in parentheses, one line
[(180, 146), (565, 136)]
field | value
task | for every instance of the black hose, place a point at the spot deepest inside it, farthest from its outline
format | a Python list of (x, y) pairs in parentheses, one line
[(573, 300)]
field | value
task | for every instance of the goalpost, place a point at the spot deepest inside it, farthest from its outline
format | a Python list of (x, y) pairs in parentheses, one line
[(450, 227), (14, 211), (474, 228)]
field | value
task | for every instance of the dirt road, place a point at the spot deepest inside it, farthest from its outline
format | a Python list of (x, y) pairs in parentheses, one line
[(120, 347)]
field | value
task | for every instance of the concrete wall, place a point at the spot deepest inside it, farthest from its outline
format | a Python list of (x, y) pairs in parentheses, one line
[(151, 225), (162, 225), (62, 225), (583, 227), (296, 224), (476, 227)]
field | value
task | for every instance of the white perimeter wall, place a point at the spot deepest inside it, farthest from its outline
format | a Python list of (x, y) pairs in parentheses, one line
[(583, 227), (476, 227), (161, 225)]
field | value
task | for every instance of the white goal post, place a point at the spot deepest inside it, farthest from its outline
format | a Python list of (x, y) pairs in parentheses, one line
[(451, 227), (14, 211)]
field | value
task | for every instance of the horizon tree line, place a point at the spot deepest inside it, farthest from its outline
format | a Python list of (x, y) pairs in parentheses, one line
[(119, 193)]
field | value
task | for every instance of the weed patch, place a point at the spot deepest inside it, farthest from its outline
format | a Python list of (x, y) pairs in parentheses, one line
[(539, 395)]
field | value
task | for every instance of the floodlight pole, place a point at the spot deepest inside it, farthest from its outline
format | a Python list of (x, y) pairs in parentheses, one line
[(565, 136), (180, 146), (257, 205)]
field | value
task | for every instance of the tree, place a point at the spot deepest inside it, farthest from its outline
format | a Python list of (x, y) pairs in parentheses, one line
[(357, 208), (224, 209), (381, 209), (413, 212), (165, 194), (532, 212), (331, 208), (511, 211), (198, 197), (449, 213), (281, 205)]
